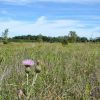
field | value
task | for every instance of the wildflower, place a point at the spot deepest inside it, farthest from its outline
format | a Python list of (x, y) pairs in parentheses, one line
[(28, 63)]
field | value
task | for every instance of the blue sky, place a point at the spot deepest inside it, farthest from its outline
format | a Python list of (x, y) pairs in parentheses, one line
[(50, 17)]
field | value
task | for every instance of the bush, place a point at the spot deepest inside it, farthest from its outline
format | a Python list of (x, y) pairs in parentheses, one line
[(65, 42)]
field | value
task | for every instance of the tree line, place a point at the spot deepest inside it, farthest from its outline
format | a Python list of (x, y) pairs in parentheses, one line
[(70, 38)]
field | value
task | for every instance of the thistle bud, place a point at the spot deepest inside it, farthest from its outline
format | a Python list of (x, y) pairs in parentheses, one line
[(27, 69), (38, 69)]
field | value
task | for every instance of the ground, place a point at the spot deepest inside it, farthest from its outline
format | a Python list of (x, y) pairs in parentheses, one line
[(68, 72)]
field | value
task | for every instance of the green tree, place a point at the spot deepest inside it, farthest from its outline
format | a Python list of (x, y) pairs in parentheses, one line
[(64, 41), (39, 38), (5, 36), (72, 36)]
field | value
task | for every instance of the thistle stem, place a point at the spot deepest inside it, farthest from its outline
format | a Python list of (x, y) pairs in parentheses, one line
[(27, 82), (33, 82)]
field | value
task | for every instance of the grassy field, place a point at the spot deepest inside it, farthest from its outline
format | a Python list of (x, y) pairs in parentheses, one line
[(68, 72)]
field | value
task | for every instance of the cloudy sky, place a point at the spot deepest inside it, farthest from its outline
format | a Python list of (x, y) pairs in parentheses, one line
[(50, 17)]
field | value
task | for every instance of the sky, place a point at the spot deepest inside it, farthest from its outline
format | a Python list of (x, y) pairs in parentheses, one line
[(50, 17)]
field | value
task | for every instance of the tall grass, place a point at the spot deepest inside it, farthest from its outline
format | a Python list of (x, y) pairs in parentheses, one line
[(68, 72)]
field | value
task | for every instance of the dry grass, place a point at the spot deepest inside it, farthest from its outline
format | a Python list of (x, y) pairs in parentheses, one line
[(68, 73)]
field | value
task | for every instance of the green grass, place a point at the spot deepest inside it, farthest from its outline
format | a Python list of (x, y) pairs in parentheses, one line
[(68, 72)]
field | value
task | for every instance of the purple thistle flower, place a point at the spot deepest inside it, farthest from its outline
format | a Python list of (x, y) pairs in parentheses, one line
[(28, 63)]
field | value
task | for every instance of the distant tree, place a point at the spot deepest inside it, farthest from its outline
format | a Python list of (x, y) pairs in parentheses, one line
[(39, 38), (72, 36), (64, 41), (29, 37), (60, 39), (97, 39), (84, 39), (5, 36)]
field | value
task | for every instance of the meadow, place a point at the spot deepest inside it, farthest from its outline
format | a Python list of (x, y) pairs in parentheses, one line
[(68, 72)]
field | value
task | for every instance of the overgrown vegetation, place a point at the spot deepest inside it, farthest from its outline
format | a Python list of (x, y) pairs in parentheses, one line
[(68, 73), (50, 39), (71, 38), (30, 38)]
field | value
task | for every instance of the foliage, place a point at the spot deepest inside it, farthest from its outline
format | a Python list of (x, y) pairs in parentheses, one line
[(5, 36), (39, 38), (72, 36), (65, 41)]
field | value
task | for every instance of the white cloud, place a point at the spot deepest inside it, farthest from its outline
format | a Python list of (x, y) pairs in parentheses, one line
[(47, 27)]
